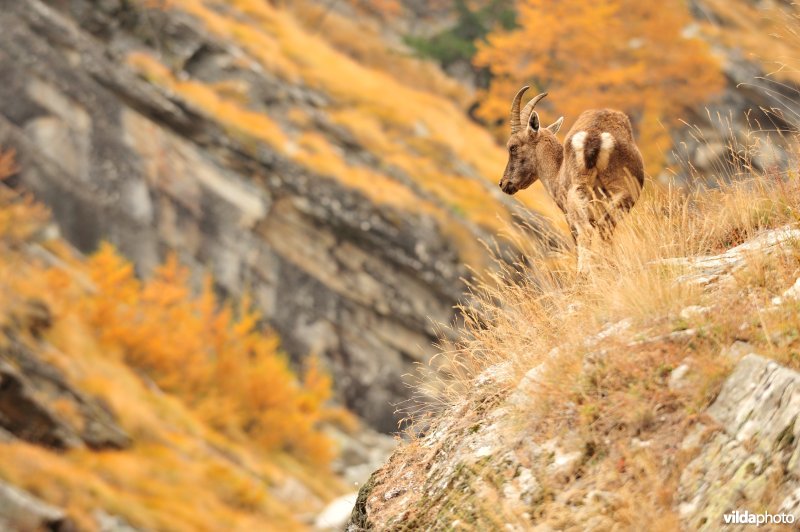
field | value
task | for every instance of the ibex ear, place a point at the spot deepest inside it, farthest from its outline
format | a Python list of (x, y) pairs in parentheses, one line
[(555, 126), (533, 122)]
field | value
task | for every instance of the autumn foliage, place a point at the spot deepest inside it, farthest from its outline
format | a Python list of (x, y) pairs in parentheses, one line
[(212, 355), (640, 57)]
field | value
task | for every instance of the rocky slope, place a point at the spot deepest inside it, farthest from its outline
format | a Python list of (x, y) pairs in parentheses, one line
[(710, 446), (195, 127)]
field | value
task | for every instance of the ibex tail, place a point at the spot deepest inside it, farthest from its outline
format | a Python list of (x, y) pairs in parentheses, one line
[(593, 150)]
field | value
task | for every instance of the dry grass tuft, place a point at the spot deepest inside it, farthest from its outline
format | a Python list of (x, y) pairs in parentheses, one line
[(525, 309)]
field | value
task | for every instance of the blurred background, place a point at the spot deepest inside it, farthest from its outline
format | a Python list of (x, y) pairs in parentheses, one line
[(230, 231)]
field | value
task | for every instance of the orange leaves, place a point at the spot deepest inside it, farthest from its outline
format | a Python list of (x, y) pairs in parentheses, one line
[(112, 273), (611, 53), (214, 357), (209, 401)]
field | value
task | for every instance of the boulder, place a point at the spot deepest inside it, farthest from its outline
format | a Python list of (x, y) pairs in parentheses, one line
[(755, 452)]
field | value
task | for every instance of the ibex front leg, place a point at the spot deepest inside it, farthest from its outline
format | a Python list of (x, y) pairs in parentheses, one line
[(579, 217)]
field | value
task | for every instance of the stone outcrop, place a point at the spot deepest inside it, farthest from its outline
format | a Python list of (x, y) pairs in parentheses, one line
[(753, 463), (712, 270), (746, 459)]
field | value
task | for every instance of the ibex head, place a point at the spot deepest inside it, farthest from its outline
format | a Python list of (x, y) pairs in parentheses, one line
[(525, 159)]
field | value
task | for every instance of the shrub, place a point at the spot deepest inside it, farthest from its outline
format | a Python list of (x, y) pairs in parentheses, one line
[(213, 355)]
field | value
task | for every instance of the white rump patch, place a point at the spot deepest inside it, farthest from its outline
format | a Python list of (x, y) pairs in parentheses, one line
[(578, 140), (606, 145)]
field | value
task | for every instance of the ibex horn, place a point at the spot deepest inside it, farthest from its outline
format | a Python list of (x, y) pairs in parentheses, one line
[(528, 109), (515, 123)]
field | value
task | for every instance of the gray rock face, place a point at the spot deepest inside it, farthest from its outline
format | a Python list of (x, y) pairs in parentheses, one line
[(360, 454), (753, 463), (117, 159)]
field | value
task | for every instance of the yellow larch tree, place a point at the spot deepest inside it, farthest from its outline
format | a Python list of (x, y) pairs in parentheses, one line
[(641, 57)]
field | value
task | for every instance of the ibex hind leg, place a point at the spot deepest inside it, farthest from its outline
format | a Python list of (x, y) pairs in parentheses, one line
[(618, 207)]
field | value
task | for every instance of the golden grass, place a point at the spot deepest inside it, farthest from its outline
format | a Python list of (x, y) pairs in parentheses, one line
[(371, 50), (548, 302), (405, 117)]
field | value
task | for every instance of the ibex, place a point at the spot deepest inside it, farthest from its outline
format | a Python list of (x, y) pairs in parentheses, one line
[(595, 178)]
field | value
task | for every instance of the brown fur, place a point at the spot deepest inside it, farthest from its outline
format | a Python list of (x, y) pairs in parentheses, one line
[(592, 197)]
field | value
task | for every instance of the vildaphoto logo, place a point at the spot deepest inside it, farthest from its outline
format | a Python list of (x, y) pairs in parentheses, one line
[(747, 518)]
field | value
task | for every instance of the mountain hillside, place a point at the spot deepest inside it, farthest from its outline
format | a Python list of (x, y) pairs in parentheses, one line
[(250, 249), (659, 392), (233, 134), (301, 153)]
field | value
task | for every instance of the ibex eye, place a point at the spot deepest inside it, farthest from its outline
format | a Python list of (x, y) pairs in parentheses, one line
[(513, 149)]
